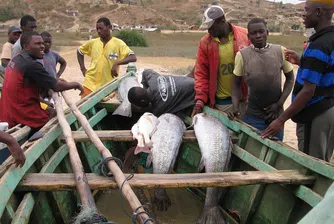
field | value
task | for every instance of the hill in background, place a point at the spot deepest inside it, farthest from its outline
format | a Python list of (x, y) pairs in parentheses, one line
[(78, 15)]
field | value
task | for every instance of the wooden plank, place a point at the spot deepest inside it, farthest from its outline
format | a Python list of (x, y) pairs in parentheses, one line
[(12, 177), (23, 212), (121, 135), (60, 182), (308, 195), (314, 164)]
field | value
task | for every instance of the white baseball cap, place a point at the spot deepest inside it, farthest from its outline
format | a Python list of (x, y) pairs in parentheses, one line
[(212, 13)]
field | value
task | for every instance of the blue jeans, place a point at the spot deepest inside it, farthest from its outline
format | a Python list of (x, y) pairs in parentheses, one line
[(260, 124)]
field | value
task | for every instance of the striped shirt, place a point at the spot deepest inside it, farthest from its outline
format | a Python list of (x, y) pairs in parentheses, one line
[(317, 67)]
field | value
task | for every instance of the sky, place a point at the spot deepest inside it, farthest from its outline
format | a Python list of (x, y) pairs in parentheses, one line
[(288, 1)]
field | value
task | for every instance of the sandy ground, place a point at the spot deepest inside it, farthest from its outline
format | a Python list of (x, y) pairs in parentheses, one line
[(163, 65)]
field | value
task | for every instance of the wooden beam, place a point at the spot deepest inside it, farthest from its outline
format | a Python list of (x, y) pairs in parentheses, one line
[(66, 182), (126, 136), (121, 136)]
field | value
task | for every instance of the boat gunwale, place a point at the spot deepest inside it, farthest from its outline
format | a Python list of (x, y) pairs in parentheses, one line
[(12, 176)]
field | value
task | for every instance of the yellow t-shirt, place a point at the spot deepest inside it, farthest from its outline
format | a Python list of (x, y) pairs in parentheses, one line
[(6, 51), (226, 66), (102, 60), (239, 64)]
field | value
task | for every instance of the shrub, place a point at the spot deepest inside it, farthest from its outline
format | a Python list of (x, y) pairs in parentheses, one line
[(132, 38)]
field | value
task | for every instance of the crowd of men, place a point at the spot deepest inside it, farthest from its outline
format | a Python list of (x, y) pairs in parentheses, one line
[(236, 71)]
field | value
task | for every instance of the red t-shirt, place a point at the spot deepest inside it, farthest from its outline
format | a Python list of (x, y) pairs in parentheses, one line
[(20, 100)]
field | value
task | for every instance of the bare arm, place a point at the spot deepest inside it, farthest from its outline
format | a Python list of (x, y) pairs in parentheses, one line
[(298, 104), (288, 85), (236, 95), (63, 85), (4, 62), (81, 61), (63, 64), (127, 60), (14, 148)]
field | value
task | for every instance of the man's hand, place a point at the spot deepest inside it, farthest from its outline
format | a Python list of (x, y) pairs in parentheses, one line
[(83, 70), (272, 112), (79, 87), (273, 128), (17, 153), (292, 56), (198, 108), (233, 114), (114, 70)]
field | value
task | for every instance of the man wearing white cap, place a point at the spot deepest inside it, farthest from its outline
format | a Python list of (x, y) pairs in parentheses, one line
[(215, 61)]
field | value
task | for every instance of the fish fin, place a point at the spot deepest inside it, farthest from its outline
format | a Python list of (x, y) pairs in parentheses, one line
[(124, 109), (147, 139), (211, 215), (149, 144), (149, 160), (142, 149), (201, 164)]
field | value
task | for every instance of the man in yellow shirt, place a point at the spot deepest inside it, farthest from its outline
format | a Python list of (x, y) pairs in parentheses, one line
[(261, 66), (106, 53)]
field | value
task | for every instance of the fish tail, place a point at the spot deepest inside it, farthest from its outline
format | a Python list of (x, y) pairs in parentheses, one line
[(140, 149), (124, 109)]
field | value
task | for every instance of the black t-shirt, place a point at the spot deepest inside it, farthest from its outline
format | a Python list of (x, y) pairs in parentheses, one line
[(168, 94), (33, 71)]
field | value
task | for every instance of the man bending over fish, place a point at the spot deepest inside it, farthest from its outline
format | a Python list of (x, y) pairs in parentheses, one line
[(166, 94)]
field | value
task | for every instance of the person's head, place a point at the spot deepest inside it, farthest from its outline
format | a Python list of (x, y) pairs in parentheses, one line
[(305, 41), (32, 43), (14, 33), (138, 96), (257, 32), (103, 28), (215, 22), (318, 13), (47, 39), (28, 23)]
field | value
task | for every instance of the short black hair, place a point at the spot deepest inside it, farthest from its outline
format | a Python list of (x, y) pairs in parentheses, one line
[(104, 20), (26, 37), (136, 95), (26, 19), (256, 20), (46, 34)]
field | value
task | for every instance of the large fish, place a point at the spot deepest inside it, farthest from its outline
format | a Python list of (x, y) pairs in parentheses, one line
[(143, 130), (124, 86), (215, 143), (166, 143)]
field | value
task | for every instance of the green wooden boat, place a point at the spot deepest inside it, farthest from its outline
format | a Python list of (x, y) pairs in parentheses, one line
[(268, 182)]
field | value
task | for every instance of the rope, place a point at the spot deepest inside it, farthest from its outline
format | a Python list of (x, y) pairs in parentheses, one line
[(102, 166)]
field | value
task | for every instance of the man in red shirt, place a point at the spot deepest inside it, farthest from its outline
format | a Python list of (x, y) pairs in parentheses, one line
[(25, 78)]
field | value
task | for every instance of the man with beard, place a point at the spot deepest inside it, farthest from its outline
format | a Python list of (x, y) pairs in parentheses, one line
[(261, 65), (313, 94), (106, 53), (215, 62)]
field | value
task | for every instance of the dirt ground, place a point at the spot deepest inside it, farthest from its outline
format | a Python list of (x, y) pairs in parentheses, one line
[(162, 65)]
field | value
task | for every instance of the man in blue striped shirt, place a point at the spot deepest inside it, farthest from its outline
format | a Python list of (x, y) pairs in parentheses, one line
[(313, 94)]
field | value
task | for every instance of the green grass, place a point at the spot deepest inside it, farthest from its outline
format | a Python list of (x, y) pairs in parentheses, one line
[(167, 45)]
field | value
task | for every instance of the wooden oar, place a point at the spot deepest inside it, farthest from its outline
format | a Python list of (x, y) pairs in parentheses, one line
[(120, 179), (87, 201)]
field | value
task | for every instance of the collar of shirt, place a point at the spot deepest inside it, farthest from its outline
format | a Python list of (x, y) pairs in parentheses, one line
[(260, 49), (230, 37), (321, 32)]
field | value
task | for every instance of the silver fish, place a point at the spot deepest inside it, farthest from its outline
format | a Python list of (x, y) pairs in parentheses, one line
[(124, 86), (215, 143), (166, 143)]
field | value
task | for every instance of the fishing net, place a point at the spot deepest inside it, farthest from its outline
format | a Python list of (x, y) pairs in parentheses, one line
[(91, 216)]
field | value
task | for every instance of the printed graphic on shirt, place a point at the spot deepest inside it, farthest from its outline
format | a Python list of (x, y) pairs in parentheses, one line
[(227, 69)]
